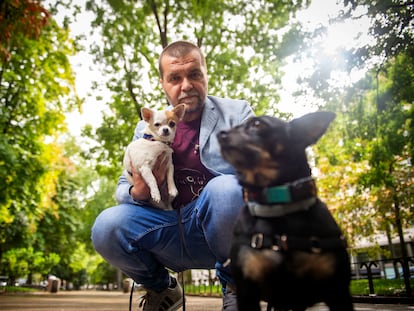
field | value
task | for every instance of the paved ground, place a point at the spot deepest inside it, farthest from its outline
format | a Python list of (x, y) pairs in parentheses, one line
[(116, 301)]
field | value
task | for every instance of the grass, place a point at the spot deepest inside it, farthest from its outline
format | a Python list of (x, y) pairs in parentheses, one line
[(203, 290), (382, 287), (17, 289)]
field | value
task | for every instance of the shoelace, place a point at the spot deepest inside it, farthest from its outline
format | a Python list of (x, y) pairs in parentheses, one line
[(145, 299)]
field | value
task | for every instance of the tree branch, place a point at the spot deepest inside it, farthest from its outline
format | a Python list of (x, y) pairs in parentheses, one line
[(130, 86), (162, 30)]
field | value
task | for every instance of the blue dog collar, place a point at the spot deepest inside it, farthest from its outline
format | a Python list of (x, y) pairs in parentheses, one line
[(151, 138), (148, 136)]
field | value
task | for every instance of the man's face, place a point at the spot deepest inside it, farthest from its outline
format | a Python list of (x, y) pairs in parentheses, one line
[(185, 81)]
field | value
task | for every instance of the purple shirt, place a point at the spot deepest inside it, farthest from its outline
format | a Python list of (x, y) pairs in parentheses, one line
[(190, 175)]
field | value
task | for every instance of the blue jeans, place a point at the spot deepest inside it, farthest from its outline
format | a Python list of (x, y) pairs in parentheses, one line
[(142, 241)]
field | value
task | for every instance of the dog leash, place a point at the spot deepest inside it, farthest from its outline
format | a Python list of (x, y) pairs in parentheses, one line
[(183, 245), (130, 295)]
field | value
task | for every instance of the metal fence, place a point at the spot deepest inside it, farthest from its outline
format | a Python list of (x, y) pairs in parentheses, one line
[(213, 289), (391, 269)]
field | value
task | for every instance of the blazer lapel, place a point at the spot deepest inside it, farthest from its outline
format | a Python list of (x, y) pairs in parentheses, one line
[(208, 122)]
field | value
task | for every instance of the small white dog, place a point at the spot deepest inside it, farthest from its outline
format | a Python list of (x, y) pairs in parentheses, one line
[(143, 153)]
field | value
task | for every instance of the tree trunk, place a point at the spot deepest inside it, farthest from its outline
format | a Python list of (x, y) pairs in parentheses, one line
[(405, 264)]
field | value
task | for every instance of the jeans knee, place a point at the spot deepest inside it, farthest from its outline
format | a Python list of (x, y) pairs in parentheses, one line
[(103, 230), (225, 186), (223, 194), (218, 206)]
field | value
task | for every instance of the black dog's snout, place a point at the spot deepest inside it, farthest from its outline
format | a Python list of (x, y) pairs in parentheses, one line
[(165, 131)]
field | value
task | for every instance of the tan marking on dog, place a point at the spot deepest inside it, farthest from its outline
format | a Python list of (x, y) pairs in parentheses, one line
[(256, 264), (171, 116), (263, 173), (249, 176), (279, 148), (267, 173), (316, 266), (176, 114)]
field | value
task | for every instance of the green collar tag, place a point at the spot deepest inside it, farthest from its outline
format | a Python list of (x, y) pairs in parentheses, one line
[(280, 194)]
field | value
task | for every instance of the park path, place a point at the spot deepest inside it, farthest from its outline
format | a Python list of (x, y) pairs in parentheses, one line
[(90, 300), (117, 301)]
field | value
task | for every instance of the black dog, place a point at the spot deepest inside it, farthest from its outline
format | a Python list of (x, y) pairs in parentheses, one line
[(287, 248)]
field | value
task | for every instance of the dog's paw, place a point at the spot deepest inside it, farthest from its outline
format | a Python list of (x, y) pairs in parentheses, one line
[(172, 192), (156, 196)]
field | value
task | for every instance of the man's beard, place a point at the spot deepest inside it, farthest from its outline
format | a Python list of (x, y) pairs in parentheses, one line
[(190, 108)]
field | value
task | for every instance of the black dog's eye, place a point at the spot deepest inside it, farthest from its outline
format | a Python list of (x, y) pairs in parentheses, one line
[(255, 124), (171, 124), (157, 124)]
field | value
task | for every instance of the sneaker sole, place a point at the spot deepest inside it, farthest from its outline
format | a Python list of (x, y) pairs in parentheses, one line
[(176, 306)]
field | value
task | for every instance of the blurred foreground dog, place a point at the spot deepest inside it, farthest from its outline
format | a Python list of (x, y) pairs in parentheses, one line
[(287, 248), (143, 153)]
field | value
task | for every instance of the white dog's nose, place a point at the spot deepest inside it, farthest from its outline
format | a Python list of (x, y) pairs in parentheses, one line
[(165, 131)]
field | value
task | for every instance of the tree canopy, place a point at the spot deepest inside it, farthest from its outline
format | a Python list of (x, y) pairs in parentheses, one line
[(392, 24), (239, 39), (372, 160), (36, 90)]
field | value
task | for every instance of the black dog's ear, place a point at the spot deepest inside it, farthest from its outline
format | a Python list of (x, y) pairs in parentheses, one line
[(309, 128)]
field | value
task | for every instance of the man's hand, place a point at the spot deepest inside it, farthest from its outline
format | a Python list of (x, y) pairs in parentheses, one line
[(140, 190)]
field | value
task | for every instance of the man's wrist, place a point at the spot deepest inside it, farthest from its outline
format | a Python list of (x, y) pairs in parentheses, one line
[(132, 194), (137, 194)]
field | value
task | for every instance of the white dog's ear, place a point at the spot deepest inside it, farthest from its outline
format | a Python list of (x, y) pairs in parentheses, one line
[(146, 114), (179, 111)]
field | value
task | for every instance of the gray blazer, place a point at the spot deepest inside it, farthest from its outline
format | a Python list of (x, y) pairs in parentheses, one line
[(219, 114)]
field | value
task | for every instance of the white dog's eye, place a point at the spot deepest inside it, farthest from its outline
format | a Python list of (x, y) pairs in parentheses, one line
[(157, 124), (171, 124)]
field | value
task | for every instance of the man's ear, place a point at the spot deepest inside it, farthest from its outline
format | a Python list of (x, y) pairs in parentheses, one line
[(309, 128)]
